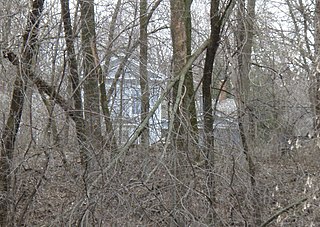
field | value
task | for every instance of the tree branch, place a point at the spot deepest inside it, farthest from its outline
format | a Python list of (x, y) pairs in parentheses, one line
[(42, 85), (276, 215)]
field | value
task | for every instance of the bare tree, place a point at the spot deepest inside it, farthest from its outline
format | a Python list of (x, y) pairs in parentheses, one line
[(317, 73), (189, 99), (246, 12), (144, 79), (87, 51), (182, 96), (207, 97), (90, 74), (9, 135), (74, 78)]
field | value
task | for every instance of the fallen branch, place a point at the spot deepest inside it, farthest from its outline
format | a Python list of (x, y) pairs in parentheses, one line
[(276, 215)]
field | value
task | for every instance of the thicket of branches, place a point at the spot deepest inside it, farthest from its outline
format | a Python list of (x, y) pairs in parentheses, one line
[(224, 130)]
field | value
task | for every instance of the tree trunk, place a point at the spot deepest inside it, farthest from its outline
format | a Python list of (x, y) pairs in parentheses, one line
[(74, 78), (190, 101), (143, 70), (90, 74), (185, 119), (110, 43), (6, 26), (183, 113), (179, 113), (317, 67), (215, 23), (246, 124), (103, 93), (110, 136), (29, 51), (245, 39), (179, 44)]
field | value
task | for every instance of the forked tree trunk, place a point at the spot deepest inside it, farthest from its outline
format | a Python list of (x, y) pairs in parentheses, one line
[(94, 85), (245, 43), (105, 97), (74, 78)]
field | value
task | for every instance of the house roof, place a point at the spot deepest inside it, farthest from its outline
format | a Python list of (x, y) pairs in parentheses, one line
[(132, 69)]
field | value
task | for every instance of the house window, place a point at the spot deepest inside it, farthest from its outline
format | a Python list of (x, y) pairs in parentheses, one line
[(135, 106)]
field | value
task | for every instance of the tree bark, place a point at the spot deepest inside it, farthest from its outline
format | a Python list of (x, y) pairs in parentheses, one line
[(94, 85), (74, 78), (90, 74), (215, 23), (8, 138), (190, 95), (317, 68), (246, 125), (103, 93), (143, 70), (179, 44), (180, 113)]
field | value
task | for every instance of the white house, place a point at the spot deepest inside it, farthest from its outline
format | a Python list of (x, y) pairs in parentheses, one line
[(226, 128), (125, 102)]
